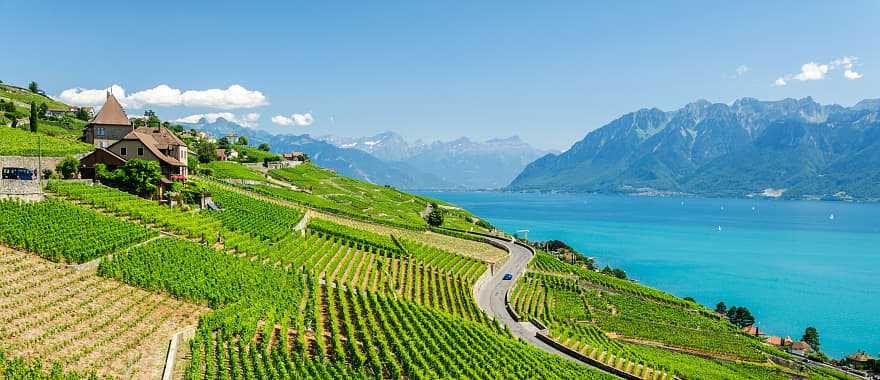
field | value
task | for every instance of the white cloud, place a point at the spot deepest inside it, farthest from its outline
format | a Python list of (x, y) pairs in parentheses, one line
[(742, 70), (233, 97), (852, 75), (845, 62), (161, 95), (249, 120), (84, 97), (301, 120), (811, 71), (818, 71)]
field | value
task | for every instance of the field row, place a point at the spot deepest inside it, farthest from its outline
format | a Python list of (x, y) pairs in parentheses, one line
[(85, 322)]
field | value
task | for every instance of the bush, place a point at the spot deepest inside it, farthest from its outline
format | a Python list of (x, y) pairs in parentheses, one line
[(435, 218), (68, 167)]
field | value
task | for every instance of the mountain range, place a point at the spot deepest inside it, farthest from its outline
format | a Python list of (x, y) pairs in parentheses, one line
[(792, 148), (348, 162), (464, 163), (389, 159)]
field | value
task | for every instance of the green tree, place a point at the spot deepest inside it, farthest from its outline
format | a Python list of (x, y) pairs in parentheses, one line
[(33, 87), (33, 117), (7, 106), (435, 218), (43, 108), (264, 147), (139, 177), (68, 167), (207, 152), (811, 337), (721, 308), (243, 140), (83, 114), (607, 270), (223, 143), (619, 273), (740, 316)]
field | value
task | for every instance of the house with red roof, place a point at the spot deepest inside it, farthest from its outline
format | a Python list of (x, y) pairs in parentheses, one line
[(752, 330), (116, 141)]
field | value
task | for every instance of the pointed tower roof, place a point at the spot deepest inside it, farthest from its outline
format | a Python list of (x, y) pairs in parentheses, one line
[(111, 113)]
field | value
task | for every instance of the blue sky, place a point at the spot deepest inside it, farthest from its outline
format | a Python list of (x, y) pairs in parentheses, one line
[(547, 71)]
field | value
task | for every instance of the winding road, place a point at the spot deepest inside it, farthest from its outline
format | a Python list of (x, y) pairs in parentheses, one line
[(491, 293)]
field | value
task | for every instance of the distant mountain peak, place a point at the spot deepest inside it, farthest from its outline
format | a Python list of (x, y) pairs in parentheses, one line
[(717, 148)]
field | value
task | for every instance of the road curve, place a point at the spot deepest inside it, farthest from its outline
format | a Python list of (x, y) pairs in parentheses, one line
[(491, 293)]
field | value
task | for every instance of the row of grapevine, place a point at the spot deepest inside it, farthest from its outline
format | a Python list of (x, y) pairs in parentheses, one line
[(357, 335), (253, 216), (354, 264), (60, 231), (365, 237), (82, 321)]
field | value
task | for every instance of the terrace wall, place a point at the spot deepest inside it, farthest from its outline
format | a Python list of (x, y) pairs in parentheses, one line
[(30, 191), (33, 162)]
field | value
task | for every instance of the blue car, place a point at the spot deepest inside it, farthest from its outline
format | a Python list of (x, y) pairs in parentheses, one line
[(507, 276)]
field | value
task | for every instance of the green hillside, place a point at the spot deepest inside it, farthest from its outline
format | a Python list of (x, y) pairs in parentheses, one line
[(324, 190), (276, 297), (19, 142), (59, 135)]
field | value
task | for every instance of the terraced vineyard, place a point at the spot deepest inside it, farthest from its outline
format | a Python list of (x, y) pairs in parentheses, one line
[(233, 170), (277, 323), (85, 322), (338, 258), (19, 142), (602, 318), (60, 231)]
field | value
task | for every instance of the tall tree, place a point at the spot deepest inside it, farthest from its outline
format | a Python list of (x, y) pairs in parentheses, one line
[(43, 108), (721, 308), (33, 87), (811, 337), (33, 117), (264, 147), (243, 140)]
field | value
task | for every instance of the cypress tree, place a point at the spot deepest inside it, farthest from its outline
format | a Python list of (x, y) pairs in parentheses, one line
[(33, 117)]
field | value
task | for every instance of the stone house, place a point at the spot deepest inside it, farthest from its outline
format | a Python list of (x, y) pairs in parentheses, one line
[(116, 141)]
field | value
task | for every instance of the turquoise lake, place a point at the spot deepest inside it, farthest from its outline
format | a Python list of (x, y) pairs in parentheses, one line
[(792, 263)]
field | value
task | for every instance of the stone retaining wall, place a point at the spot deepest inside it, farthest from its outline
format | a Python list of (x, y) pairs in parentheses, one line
[(33, 162), (30, 191)]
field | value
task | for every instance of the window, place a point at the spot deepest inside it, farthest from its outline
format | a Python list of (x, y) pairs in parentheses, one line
[(124, 151), (141, 152), (100, 131)]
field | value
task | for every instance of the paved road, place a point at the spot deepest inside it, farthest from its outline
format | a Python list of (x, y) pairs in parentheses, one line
[(490, 297)]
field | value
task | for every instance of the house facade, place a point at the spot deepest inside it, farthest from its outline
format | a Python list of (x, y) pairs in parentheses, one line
[(116, 141), (108, 126)]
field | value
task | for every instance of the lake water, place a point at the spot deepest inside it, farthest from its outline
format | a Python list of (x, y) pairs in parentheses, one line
[(792, 263)]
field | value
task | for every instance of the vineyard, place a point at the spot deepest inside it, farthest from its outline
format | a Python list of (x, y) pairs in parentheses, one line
[(277, 323), (84, 322), (477, 250), (617, 324), (19, 142), (60, 231), (233, 170)]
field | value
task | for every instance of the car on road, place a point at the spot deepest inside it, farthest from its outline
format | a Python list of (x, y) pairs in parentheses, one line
[(507, 277)]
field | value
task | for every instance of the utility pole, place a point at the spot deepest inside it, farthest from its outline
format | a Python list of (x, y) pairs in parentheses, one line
[(40, 160)]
